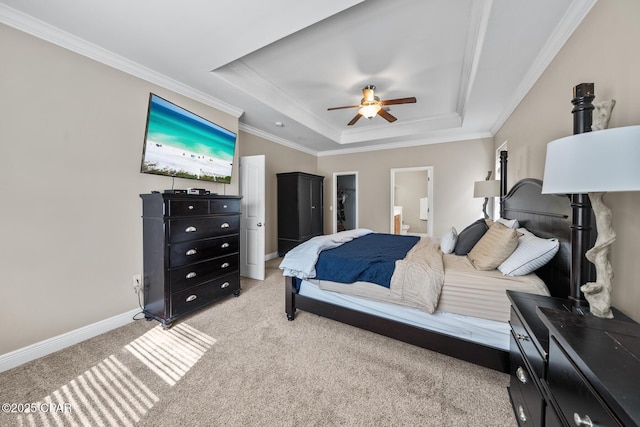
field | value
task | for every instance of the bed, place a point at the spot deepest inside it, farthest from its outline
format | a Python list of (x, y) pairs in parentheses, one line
[(454, 328)]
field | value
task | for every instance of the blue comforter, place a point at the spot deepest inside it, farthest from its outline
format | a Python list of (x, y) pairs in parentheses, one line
[(369, 258)]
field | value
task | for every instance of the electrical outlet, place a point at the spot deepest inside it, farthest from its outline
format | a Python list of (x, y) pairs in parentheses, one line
[(137, 283)]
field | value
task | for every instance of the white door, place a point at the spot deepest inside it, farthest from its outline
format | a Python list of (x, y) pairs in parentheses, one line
[(252, 227)]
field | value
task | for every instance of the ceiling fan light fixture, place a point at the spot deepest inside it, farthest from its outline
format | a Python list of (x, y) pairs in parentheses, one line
[(369, 110)]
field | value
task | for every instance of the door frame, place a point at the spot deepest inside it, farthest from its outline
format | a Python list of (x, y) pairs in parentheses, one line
[(334, 198), (429, 170)]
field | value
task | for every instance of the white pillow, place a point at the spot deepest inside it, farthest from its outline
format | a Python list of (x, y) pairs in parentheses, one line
[(511, 223), (532, 253), (448, 242)]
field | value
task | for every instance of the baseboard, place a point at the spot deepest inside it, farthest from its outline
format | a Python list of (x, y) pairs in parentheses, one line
[(272, 255), (51, 345)]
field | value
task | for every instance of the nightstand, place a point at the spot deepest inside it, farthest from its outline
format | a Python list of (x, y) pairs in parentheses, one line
[(570, 369), (594, 369), (528, 353)]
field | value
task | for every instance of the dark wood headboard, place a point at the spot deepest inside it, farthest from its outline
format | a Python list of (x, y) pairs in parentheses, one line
[(546, 216)]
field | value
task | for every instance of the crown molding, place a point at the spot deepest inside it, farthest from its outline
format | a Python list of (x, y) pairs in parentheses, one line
[(54, 35), (282, 141), (410, 143), (565, 29)]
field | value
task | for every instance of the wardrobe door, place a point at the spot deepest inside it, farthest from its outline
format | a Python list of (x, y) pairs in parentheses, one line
[(316, 206)]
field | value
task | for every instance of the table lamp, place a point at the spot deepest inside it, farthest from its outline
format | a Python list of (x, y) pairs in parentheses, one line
[(595, 163), (486, 189)]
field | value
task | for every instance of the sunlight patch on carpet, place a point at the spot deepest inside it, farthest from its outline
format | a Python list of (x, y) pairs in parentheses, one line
[(171, 353), (109, 393)]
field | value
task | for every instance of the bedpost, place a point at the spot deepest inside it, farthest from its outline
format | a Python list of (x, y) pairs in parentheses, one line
[(581, 212), (503, 180), (290, 297)]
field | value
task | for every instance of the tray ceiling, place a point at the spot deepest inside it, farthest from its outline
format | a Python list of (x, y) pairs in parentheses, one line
[(468, 62)]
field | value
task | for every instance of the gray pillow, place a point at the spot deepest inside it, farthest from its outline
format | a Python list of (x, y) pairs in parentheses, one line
[(468, 237)]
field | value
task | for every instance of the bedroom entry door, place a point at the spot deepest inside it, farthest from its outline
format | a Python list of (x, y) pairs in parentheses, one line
[(344, 201), (252, 227)]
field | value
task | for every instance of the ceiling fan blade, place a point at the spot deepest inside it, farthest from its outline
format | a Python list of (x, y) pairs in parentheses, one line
[(339, 108), (409, 100), (354, 120), (385, 115)]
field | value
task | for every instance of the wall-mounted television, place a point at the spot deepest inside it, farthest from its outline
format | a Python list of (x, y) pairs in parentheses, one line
[(181, 144)]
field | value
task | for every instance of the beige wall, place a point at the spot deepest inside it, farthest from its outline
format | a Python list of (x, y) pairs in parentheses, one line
[(601, 51), (456, 166), (70, 150), (278, 158)]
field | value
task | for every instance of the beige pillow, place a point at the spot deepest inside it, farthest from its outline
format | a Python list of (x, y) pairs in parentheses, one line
[(494, 247)]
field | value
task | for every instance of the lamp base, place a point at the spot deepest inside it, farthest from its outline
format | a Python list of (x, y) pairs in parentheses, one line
[(598, 293)]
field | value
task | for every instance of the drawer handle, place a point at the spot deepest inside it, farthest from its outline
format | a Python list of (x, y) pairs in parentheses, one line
[(582, 422), (522, 337), (225, 285), (521, 374), (225, 265), (190, 207), (521, 415), (225, 225), (191, 252), (191, 275), (190, 229), (225, 206), (224, 245), (191, 298)]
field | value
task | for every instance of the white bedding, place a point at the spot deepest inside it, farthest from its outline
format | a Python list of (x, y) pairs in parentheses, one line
[(466, 291), (472, 304), (482, 331)]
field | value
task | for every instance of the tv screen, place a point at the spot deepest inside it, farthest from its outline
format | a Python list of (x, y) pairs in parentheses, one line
[(181, 144)]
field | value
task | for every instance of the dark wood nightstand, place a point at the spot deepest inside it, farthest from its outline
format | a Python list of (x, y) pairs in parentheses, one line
[(528, 353), (572, 369), (594, 369)]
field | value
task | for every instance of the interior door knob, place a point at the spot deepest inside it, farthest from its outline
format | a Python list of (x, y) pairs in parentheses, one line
[(259, 224)]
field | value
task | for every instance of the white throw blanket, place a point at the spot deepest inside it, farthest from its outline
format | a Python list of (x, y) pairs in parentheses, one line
[(418, 278), (301, 261)]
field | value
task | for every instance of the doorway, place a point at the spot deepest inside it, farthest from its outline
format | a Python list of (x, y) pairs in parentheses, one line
[(345, 201), (411, 210)]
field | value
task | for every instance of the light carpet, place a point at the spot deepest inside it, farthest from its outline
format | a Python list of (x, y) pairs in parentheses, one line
[(240, 362)]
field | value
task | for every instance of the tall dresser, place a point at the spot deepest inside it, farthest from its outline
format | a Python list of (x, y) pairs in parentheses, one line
[(300, 206), (191, 246)]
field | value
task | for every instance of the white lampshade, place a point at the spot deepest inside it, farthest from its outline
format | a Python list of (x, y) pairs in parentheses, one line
[(369, 110), (488, 188), (600, 161)]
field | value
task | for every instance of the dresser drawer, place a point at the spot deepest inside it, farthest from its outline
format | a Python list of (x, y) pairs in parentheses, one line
[(195, 274), (527, 399), (188, 207), (184, 253), (533, 356), (181, 230), (190, 299), (574, 395), (221, 206)]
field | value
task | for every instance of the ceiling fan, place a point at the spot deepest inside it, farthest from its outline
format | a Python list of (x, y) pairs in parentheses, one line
[(370, 105)]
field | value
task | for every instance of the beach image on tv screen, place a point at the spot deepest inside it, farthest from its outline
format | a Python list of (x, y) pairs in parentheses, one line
[(181, 144)]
